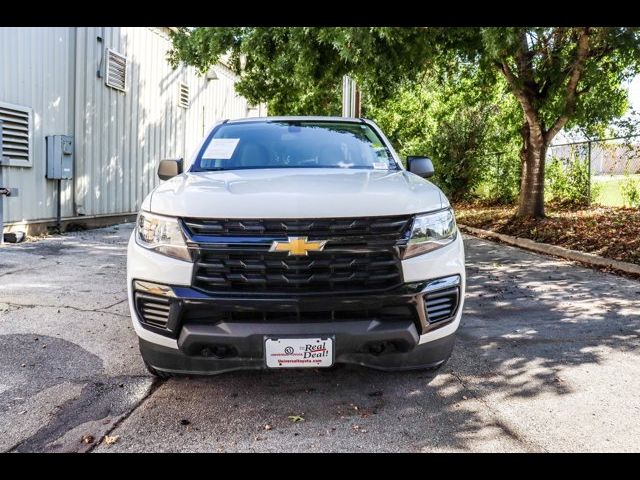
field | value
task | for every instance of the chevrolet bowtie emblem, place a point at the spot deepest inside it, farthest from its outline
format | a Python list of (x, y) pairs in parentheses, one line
[(298, 246)]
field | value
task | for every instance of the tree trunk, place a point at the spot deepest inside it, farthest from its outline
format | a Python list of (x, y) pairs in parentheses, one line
[(532, 156)]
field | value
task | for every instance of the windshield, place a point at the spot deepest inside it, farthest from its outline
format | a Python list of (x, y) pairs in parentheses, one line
[(294, 144)]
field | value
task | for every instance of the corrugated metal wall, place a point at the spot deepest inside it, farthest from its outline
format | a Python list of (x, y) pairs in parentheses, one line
[(36, 70), (119, 136)]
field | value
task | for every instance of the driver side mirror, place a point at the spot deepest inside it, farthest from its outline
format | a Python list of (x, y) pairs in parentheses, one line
[(421, 166), (170, 168)]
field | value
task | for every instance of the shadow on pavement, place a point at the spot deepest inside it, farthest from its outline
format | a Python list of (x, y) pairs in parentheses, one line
[(528, 319)]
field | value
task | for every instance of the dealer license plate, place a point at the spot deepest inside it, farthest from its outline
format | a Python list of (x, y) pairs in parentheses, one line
[(298, 352)]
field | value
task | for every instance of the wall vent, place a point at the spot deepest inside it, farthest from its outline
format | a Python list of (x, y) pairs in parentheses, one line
[(183, 99), (17, 124), (116, 74)]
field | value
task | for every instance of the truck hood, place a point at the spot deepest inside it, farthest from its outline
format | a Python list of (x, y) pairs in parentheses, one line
[(295, 193)]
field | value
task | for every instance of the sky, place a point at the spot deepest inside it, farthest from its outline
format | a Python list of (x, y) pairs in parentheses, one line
[(634, 103), (634, 93)]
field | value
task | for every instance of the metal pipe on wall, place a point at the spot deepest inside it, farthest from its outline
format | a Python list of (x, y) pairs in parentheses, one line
[(6, 192), (351, 105), (1, 186)]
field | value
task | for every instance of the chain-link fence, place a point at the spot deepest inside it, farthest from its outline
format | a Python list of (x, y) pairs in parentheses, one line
[(500, 181), (607, 169)]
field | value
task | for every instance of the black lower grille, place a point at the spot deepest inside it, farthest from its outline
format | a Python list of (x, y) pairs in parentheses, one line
[(441, 305), (153, 310), (276, 272), (210, 316)]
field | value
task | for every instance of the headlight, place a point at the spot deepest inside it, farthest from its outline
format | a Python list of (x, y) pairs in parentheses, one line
[(161, 234), (431, 231)]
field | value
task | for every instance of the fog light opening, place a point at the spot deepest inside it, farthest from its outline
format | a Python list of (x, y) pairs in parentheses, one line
[(377, 348), (216, 351)]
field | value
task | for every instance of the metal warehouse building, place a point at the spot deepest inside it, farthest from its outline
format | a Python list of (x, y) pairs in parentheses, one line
[(99, 106)]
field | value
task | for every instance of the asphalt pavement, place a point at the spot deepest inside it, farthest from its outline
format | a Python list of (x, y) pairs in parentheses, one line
[(547, 359)]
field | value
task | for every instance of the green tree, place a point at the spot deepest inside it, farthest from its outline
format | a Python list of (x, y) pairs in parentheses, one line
[(299, 70), (560, 76), (462, 122)]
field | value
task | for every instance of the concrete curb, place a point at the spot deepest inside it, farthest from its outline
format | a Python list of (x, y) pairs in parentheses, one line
[(556, 251)]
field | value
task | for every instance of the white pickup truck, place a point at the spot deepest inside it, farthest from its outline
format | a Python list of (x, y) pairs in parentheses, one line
[(291, 242)]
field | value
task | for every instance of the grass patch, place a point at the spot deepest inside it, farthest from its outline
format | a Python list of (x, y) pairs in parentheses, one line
[(607, 187), (610, 191)]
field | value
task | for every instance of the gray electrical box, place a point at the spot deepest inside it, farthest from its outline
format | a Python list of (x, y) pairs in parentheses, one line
[(59, 157)]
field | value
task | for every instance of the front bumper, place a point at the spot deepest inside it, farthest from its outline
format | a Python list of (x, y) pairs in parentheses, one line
[(367, 329), (167, 359)]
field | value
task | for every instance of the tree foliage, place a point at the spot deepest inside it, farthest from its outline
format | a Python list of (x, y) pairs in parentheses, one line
[(462, 122), (298, 70), (559, 76), (568, 183)]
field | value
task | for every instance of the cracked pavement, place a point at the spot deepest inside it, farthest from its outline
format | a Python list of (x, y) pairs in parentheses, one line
[(547, 359)]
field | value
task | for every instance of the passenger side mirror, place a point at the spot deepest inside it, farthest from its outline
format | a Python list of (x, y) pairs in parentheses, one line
[(421, 166), (170, 168)]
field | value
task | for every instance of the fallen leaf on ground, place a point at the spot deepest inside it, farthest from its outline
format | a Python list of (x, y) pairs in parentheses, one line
[(87, 439), (111, 439), (296, 418), (618, 228)]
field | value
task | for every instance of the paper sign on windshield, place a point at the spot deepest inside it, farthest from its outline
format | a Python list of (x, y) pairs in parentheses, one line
[(221, 148)]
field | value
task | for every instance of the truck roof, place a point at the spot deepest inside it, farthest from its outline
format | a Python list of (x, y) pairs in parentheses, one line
[(298, 118)]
